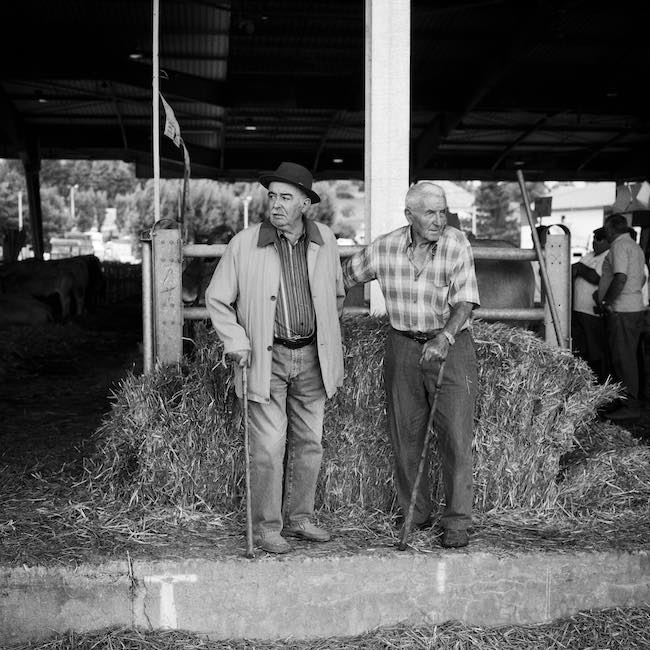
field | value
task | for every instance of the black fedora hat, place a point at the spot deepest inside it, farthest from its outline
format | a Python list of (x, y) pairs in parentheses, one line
[(294, 174)]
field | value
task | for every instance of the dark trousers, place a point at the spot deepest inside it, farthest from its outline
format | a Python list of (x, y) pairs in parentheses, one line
[(409, 393), (623, 336), (590, 342)]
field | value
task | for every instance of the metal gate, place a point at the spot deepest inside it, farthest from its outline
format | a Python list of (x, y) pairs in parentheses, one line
[(164, 312)]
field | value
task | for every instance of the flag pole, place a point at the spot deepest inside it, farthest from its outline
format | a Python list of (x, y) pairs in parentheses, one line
[(156, 112)]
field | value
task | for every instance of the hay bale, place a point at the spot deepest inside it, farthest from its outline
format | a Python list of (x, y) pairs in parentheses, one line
[(174, 437), (611, 480)]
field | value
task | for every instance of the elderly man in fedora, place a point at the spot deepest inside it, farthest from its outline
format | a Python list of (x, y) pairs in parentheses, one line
[(275, 299)]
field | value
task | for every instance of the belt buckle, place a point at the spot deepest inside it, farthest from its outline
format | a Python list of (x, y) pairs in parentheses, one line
[(421, 338)]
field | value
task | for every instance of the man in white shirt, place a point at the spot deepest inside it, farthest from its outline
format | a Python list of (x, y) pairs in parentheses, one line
[(587, 327), (621, 301)]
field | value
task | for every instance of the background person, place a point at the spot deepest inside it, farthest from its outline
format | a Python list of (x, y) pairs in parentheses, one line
[(426, 273), (587, 326), (621, 302), (275, 300)]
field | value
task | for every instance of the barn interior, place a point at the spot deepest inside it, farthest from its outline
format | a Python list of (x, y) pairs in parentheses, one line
[(552, 88)]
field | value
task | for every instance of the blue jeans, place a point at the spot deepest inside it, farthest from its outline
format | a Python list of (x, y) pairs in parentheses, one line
[(409, 392), (292, 423)]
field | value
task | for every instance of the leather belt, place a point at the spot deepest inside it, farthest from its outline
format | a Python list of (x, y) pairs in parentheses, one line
[(420, 337), (294, 344)]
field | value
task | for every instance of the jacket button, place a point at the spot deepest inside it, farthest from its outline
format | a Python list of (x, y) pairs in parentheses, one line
[(272, 297), (269, 348)]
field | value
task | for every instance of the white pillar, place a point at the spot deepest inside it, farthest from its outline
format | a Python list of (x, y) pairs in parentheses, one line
[(387, 126)]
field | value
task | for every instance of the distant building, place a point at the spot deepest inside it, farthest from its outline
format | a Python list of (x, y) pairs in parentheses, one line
[(120, 250), (581, 209), (71, 245)]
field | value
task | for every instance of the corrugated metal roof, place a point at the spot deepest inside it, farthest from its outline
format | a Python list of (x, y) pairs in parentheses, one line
[(495, 84)]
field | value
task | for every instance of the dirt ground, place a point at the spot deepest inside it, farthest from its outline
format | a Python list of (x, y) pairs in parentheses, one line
[(56, 382)]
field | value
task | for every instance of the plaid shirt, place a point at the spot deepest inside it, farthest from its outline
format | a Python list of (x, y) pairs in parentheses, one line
[(417, 302)]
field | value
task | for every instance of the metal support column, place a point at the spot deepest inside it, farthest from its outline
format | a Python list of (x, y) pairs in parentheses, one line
[(32, 167)]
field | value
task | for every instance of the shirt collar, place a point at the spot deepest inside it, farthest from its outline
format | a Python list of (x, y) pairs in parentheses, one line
[(268, 233), (409, 238)]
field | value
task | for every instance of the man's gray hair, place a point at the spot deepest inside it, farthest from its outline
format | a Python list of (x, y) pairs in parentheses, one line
[(425, 188)]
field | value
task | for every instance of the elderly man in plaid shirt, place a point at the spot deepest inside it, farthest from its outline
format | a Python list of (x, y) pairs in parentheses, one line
[(426, 273)]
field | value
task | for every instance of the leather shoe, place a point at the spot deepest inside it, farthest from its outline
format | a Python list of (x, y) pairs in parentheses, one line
[(454, 538), (307, 531), (272, 542), (423, 525)]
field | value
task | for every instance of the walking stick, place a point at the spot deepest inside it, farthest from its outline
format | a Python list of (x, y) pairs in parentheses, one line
[(423, 456), (249, 516)]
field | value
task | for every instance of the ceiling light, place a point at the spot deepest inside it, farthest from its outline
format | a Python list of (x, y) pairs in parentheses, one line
[(519, 163), (135, 56), (42, 100), (338, 161), (250, 127)]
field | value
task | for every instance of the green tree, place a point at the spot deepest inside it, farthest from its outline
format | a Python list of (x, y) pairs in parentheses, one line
[(12, 181), (90, 209), (325, 211), (113, 176), (56, 215)]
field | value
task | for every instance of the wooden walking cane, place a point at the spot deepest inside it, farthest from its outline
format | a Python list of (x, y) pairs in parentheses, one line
[(249, 515), (423, 456)]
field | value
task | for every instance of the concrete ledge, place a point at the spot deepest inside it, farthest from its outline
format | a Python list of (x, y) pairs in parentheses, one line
[(307, 597)]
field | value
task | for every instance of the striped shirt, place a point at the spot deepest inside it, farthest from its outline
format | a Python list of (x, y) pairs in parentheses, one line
[(417, 301), (294, 313)]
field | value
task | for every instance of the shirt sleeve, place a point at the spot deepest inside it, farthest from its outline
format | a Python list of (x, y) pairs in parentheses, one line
[(620, 259), (220, 297), (463, 285), (359, 268)]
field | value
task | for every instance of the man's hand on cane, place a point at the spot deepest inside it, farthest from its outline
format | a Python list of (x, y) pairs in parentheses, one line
[(434, 352)]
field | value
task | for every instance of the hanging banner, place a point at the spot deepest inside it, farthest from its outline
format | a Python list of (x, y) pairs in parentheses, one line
[(172, 127), (173, 132)]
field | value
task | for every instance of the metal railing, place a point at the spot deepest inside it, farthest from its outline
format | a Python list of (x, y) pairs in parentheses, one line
[(164, 312)]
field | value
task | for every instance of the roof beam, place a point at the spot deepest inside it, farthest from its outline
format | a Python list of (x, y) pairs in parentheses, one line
[(520, 138), (495, 69), (11, 123), (132, 73)]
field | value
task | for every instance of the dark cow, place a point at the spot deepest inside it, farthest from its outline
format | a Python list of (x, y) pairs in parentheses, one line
[(503, 284), (198, 272), (23, 311), (70, 286), (43, 281), (88, 281)]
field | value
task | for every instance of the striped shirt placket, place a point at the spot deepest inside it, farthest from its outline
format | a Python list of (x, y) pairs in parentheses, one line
[(295, 318)]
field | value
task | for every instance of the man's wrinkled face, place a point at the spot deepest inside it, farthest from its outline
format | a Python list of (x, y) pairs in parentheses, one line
[(427, 214), (287, 204)]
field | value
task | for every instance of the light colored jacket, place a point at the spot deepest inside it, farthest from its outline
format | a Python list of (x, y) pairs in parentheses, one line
[(242, 296)]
